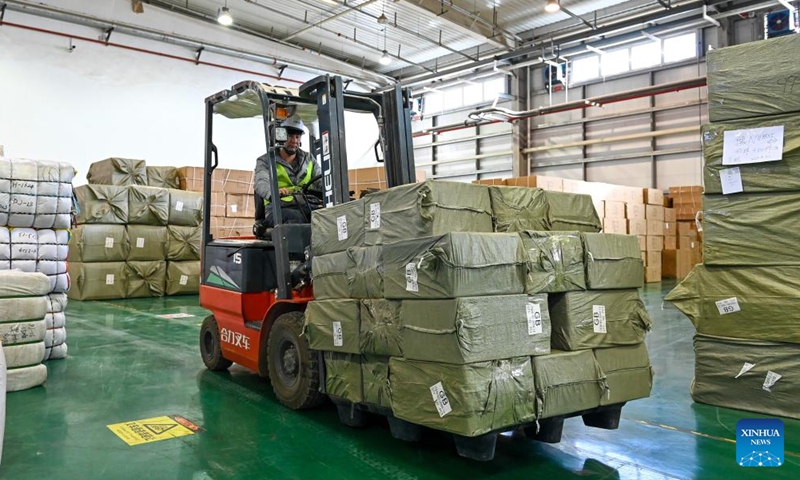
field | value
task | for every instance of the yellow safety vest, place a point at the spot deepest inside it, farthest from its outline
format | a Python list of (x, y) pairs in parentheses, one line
[(284, 181)]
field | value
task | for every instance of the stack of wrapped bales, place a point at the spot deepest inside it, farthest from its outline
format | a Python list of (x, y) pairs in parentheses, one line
[(35, 215), (424, 309), (23, 327), (741, 299), (134, 240)]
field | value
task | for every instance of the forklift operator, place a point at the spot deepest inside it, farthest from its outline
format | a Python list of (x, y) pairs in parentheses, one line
[(295, 169)]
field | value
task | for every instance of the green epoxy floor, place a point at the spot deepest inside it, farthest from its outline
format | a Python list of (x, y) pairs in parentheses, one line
[(126, 363)]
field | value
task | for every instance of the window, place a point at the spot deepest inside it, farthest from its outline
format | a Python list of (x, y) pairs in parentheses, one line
[(493, 88), (680, 47), (647, 55), (433, 103), (615, 62), (585, 68), (473, 93), (453, 98)]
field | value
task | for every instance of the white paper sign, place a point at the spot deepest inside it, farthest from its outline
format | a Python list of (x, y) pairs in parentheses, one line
[(234, 208), (109, 242), (729, 305), (534, 313), (731, 180), (338, 338), (374, 215), (599, 318), (411, 278), (770, 380), (179, 206), (139, 242), (752, 145), (341, 227), (440, 400), (745, 368), (110, 279), (184, 279)]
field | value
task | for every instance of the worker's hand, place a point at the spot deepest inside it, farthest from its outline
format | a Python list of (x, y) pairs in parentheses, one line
[(284, 192)]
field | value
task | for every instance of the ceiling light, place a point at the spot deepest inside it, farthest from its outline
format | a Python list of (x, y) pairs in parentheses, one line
[(382, 19), (552, 6), (224, 17), (385, 58)]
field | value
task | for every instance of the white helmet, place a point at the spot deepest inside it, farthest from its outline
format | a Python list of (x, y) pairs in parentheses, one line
[(294, 125)]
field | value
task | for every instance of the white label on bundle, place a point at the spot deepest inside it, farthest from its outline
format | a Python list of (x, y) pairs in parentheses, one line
[(729, 305), (752, 145), (341, 227), (745, 368), (731, 180), (109, 242), (440, 400), (179, 206), (184, 279), (599, 318), (770, 380), (139, 242), (411, 278), (110, 279), (234, 208), (338, 338), (534, 312), (374, 215)]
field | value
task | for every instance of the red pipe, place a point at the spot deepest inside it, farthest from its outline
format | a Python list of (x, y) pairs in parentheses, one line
[(149, 52)]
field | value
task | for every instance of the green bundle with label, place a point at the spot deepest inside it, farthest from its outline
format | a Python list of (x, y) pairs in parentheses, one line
[(554, 261)]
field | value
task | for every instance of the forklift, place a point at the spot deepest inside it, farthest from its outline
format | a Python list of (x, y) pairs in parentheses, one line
[(257, 287)]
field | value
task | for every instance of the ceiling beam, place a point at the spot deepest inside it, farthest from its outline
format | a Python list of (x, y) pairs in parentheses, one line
[(327, 19)]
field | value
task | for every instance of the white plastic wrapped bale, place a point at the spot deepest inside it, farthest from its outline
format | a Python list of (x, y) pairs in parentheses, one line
[(22, 319), (22, 195), (5, 249), (51, 258), (55, 321), (24, 249), (54, 195), (5, 190)]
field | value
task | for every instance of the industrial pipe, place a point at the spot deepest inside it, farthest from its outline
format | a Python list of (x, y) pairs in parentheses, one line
[(619, 138)]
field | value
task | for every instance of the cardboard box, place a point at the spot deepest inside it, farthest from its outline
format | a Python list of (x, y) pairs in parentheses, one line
[(655, 227), (688, 190), (688, 229), (684, 241), (670, 243), (637, 227), (490, 181), (614, 210), (652, 274), (191, 179), (240, 206), (615, 225), (654, 212), (653, 258), (653, 196), (669, 215), (237, 181), (676, 263), (537, 181), (364, 180), (686, 213), (643, 253), (599, 206), (217, 204), (670, 229), (238, 227), (635, 211), (655, 243), (642, 242)]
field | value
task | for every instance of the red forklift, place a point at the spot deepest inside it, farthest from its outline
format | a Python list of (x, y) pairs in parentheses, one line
[(257, 288)]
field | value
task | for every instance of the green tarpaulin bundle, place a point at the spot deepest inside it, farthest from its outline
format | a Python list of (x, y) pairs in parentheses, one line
[(375, 380), (597, 319), (185, 208), (183, 278), (554, 262), (751, 229), (106, 204), (467, 400), (98, 281), (381, 327), (184, 243), (426, 209), (353, 273), (754, 79), (741, 302), (519, 208), (164, 177), (754, 375), (147, 243), (613, 261), (148, 205), (98, 243), (571, 211), (146, 279), (567, 382), (337, 228), (454, 265), (343, 376), (627, 372), (776, 176), (334, 325), (475, 329), (117, 171)]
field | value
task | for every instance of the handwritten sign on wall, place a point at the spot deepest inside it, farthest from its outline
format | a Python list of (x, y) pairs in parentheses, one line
[(752, 145)]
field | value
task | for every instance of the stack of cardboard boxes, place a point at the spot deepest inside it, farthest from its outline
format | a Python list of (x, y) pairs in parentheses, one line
[(232, 201), (687, 249)]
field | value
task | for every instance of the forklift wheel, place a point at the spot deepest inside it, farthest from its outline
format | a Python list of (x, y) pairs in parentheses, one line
[(210, 348), (293, 368)]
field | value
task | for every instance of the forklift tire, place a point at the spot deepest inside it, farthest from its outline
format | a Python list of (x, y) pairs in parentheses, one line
[(210, 349), (293, 366)]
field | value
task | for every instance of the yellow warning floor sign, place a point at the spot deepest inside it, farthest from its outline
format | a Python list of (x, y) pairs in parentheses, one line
[(154, 429)]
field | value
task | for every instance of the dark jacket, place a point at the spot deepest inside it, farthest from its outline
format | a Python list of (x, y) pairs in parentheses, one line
[(296, 171)]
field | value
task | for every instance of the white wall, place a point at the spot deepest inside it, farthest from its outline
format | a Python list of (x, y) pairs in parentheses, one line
[(97, 102)]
